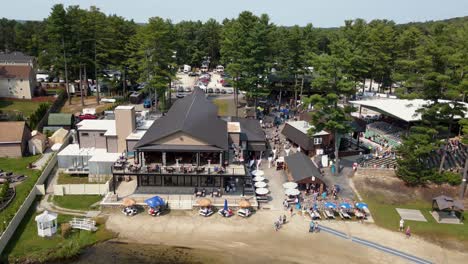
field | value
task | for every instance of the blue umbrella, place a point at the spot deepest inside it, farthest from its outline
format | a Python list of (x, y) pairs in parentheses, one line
[(155, 201), (315, 207), (330, 205), (361, 205), (345, 205), (225, 205)]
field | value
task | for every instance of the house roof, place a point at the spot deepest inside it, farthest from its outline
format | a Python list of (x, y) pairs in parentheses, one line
[(194, 115), (12, 132), (300, 166), (251, 128), (96, 124), (299, 136), (445, 202), (59, 119), (403, 109), (16, 56), (15, 72)]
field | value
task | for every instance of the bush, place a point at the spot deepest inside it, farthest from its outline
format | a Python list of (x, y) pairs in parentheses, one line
[(452, 178), (37, 116), (3, 191), (65, 229)]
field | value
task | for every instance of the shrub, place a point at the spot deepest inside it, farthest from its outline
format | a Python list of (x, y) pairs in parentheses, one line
[(452, 178), (65, 229), (3, 191)]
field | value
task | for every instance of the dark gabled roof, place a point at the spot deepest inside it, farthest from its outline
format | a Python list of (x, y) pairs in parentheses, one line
[(194, 115), (17, 57), (59, 119), (300, 166), (299, 138), (445, 202), (251, 128)]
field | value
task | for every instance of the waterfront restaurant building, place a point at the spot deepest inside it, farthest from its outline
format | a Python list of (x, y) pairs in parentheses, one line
[(186, 150)]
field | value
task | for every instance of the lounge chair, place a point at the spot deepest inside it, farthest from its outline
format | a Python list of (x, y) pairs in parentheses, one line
[(244, 212), (205, 212), (227, 213), (314, 215), (344, 214), (329, 214)]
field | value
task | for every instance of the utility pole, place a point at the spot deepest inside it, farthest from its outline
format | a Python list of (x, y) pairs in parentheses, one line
[(124, 82), (86, 82), (67, 86)]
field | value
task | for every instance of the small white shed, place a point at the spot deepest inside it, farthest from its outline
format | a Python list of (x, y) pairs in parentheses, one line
[(46, 224)]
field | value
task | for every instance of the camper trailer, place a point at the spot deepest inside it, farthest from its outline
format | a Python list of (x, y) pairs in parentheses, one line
[(187, 69), (220, 69)]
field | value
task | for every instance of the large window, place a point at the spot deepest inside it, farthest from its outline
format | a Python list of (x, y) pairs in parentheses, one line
[(317, 140)]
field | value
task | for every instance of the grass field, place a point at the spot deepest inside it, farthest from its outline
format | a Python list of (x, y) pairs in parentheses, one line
[(77, 202), (90, 102), (223, 106), (27, 246), (384, 194), (18, 166), (26, 107), (385, 215), (65, 178)]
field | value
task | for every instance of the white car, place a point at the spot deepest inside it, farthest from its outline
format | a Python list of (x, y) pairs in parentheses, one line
[(229, 90)]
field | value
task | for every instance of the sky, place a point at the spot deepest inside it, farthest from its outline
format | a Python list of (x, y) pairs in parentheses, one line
[(321, 13)]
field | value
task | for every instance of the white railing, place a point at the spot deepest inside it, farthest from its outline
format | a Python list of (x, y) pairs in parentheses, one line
[(83, 223)]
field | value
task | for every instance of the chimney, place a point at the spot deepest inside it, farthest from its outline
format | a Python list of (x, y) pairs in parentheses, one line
[(124, 125)]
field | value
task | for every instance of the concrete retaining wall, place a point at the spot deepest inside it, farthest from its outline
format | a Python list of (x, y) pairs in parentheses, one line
[(81, 189)]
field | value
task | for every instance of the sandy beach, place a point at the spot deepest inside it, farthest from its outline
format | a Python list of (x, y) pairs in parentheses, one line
[(254, 240)]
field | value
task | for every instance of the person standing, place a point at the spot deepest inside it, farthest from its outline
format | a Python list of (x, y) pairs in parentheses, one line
[(408, 232), (291, 210), (402, 225), (284, 219)]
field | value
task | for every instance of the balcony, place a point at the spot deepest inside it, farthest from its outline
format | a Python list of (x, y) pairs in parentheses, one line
[(123, 167)]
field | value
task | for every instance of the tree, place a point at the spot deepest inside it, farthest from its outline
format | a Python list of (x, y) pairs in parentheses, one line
[(464, 124), (414, 153), (326, 115), (153, 55)]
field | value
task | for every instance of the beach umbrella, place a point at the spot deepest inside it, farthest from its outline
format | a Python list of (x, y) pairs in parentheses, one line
[(128, 201), (290, 185), (345, 206), (225, 205), (292, 192), (330, 205), (204, 202), (361, 205), (258, 178), (261, 191), (260, 184), (258, 173), (155, 201), (244, 204)]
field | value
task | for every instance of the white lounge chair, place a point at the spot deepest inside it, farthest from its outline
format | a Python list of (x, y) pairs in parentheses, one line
[(244, 212)]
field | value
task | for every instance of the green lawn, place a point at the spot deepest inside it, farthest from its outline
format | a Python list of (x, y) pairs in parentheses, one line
[(18, 166), (65, 178), (24, 106), (222, 106), (77, 202), (27, 245), (385, 215)]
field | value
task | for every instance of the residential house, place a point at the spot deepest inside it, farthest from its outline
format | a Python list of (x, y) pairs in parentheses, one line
[(14, 137), (297, 132), (17, 75)]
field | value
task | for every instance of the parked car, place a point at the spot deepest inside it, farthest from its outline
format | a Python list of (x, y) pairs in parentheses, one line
[(217, 90), (210, 90), (180, 89), (188, 89), (229, 90), (180, 95), (87, 116), (223, 91), (192, 74)]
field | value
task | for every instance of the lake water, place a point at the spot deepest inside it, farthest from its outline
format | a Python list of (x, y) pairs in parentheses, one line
[(118, 252)]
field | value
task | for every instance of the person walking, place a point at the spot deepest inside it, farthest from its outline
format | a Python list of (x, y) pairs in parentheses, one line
[(291, 210), (402, 225), (408, 232), (284, 219)]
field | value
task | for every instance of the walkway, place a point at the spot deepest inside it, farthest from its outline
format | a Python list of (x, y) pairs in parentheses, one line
[(51, 207), (42, 162)]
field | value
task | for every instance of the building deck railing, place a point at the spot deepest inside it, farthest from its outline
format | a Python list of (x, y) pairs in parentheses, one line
[(132, 169)]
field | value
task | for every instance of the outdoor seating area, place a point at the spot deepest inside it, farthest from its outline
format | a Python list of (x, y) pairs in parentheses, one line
[(10, 177), (384, 134)]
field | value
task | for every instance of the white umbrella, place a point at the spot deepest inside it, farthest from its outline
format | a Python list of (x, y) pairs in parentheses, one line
[(258, 179), (292, 192), (260, 184), (290, 185), (258, 173), (262, 191)]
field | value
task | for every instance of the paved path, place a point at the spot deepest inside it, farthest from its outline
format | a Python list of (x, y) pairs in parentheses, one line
[(51, 207), (42, 162)]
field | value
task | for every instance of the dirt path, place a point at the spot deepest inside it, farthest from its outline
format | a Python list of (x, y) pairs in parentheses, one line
[(256, 238)]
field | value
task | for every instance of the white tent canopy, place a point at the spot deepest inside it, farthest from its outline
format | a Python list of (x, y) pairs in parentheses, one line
[(292, 192), (290, 185)]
